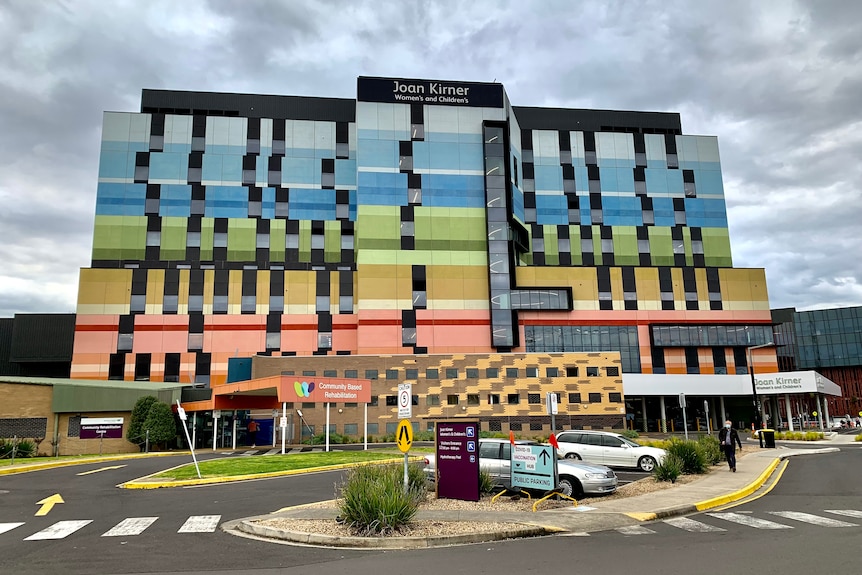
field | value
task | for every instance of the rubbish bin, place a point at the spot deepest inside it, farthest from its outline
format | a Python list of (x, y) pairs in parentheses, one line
[(768, 437)]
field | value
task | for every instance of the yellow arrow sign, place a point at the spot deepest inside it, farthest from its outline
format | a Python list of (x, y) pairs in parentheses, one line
[(102, 469), (48, 503), (404, 435)]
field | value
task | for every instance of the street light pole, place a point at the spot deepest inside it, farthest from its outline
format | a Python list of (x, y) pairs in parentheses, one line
[(758, 413)]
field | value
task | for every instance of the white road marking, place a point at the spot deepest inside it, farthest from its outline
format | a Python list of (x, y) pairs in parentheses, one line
[(692, 525), (813, 519), (577, 534), (749, 521), (59, 530), (272, 452), (200, 524), (635, 530), (845, 512), (4, 527), (130, 526), (249, 452)]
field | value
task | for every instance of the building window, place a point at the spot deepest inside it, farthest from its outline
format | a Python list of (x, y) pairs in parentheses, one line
[(374, 401), (330, 373), (391, 400), (493, 399), (74, 426), (592, 372), (432, 400), (451, 373), (411, 373), (472, 373), (351, 429), (432, 374), (492, 372), (511, 372), (414, 399), (612, 371), (391, 427), (574, 398), (534, 398), (532, 372), (308, 405), (515, 425), (571, 371), (370, 374), (595, 398), (552, 372), (391, 374), (373, 428), (514, 399), (535, 426), (495, 425), (614, 397), (452, 400), (351, 373), (309, 373), (351, 404), (472, 399)]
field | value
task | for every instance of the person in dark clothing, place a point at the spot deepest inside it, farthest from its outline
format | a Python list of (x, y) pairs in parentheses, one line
[(728, 438), (252, 432)]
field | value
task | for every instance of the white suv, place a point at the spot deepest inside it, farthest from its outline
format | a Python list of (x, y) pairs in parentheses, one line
[(608, 448)]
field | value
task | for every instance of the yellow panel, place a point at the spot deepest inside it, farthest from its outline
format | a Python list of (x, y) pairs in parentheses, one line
[(299, 288), (647, 284), (702, 287), (234, 288), (209, 284), (678, 286), (617, 287), (183, 298), (155, 288)]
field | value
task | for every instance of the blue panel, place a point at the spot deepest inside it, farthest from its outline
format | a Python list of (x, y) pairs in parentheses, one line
[(472, 156), (300, 171), (625, 180), (622, 211), (552, 210), (345, 173), (226, 202), (115, 146), (116, 164), (178, 148), (446, 137), (261, 169), (120, 199), (211, 168), (656, 181), (175, 200), (267, 205), (224, 150), (299, 152), (674, 182), (663, 210), (312, 205), (165, 166), (378, 153), (549, 178), (518, 203), (444, 156), (709, 183), (608, 177), (582, 180), (421, 155), (232, 170)]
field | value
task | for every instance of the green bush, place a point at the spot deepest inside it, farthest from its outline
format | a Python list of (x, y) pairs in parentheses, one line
[(136, 432), (160, 423), (373, 500), (710, 449), (493, 434), (630, 433), (858, 437), (486, 482), (659, 443), (24, 448), (692, 458), (813, 436), (668, 470)]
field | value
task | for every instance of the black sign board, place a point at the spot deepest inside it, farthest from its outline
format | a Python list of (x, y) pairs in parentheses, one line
[(434, 92)]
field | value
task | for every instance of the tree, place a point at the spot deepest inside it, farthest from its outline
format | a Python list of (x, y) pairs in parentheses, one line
[(136, 432), (160, 423)]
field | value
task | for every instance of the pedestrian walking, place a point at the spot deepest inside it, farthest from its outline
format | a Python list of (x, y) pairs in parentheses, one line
[(252, 432), (728, 438)]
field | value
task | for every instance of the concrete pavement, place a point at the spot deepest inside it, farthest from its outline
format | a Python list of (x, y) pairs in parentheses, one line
[(755, 468)]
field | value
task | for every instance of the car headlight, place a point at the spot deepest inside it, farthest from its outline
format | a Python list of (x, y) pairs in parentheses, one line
[(595, 476)]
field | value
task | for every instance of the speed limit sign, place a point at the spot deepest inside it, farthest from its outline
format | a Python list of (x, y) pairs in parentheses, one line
[(405, 400)]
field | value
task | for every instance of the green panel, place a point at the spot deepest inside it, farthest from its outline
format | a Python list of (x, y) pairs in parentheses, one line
[(597, 245), (575, 247), (625, 246), (686, 240), (332, 241), (378, 228), (241, 240), (305, 240), (552, 248), (130, 240), (277, 230), (173, 240), (716, 247), (107, 236), (207, 232), (91, 399), (660, 246)]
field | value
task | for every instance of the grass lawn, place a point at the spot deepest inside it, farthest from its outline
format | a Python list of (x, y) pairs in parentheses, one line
[(271, 463)]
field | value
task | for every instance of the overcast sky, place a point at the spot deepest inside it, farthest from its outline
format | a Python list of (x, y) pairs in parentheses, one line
[(779, 83)]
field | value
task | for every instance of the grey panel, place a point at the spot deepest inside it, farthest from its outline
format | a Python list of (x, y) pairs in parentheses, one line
[(42, 337), (574, 119)]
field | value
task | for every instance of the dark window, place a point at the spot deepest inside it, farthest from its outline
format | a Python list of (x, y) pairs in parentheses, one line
[(494, 425), (515, 425), (414, 399), (391, 400), (351, 373), (492, 372), (308, 405), (592, 372), (309, 372), (569, 438), (411, 373), (142, 366), (493, 398), (615, 397), (451, 373), (374, 400), (535, 426), (595, 398), (452, 400), (330, 373), (489, 450), (692, 362), (514, 398), (574, 398), (571, 371), (532, 372), (432, 400), (534, 398), (74, 426), (472, 399), (552, 372), (511, 372), (432, 374), (370, 374), (612, 371), (391, 374), (472, 373)]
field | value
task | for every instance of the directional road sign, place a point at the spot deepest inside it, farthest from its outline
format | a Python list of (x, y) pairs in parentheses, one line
[(404, 435), (534, 467)]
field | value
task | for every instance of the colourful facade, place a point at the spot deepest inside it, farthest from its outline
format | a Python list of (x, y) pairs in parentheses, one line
[(421, 218)]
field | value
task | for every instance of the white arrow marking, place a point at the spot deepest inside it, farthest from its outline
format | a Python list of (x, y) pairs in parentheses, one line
[(130, 526), (59, 530), (200, 524)]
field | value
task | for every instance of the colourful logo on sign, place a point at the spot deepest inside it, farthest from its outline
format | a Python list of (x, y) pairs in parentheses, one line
[(303, 389)]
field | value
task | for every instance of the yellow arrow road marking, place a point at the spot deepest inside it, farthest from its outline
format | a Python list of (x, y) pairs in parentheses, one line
[(102, 469), (48, 504)]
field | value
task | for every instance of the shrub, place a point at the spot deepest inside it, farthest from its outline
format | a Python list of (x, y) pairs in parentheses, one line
[(659, 443), (160, 423), (486, 482), (858, 437), (668, 470), (493, 434), (813, 436), (692, 458), (373, 499), (135, 433), (23, 448), (630, 433), (423, 436), (710, 449)]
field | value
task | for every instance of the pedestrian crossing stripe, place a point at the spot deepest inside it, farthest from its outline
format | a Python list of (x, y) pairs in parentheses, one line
[(813, 519), (635, 530), (130, 526), (692, 525), (4, 527), (749, 521), (200, 524), (59, 530), (845, 512)]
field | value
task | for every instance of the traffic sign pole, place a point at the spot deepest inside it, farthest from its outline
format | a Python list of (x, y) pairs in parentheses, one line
[(404, 439)]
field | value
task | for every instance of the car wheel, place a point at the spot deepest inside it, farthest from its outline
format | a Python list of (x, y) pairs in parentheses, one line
[(570, 486), (646, 463), (573, 456)]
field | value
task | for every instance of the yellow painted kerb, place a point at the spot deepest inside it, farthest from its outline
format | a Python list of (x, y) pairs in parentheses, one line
[(744, 492)]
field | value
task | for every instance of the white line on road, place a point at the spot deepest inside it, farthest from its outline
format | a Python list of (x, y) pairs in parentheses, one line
[(749, 521), (4, 527), (635, 530), (130, 526), (59, 530), (692, 525), (272, 452), (813, 519), (200, 524), (845, 512)]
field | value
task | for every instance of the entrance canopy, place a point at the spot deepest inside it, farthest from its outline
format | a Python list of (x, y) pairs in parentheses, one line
[(655, 384), (271, 392)]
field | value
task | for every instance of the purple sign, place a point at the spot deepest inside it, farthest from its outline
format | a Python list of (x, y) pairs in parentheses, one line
[(101, 428), (457, 444)]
